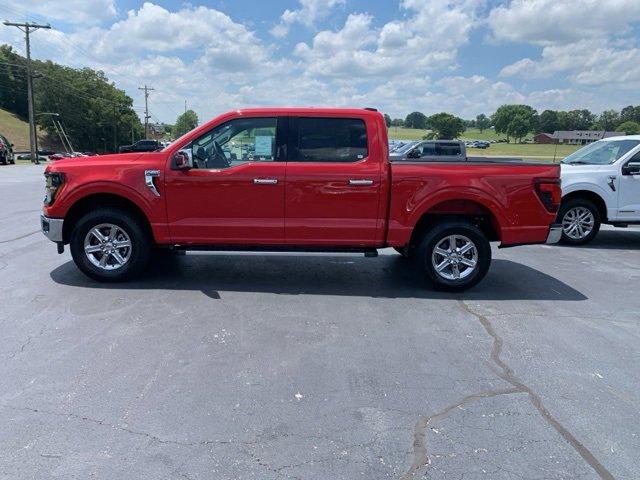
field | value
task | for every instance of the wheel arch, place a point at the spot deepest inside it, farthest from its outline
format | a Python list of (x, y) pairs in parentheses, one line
[(593, 197), (97, 200), (471, 211)]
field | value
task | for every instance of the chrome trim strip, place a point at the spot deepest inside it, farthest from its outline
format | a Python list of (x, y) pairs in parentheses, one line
[(149, 175)]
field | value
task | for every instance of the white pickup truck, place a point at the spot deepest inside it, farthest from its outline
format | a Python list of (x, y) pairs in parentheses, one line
[(600, 184)]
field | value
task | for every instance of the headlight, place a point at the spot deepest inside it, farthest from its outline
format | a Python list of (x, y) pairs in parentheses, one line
[(54, 181)]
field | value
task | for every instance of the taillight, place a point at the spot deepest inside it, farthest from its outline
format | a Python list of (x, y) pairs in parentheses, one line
[(549, 192), (54, 181)]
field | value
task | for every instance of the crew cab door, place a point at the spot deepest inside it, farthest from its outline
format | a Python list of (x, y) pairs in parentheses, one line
[(629, 196), (333, 181), (234, 192)]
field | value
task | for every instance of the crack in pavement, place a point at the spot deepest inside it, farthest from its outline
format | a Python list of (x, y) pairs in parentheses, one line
[(103, 423), (505, 372), (20, 237), (421, 457)]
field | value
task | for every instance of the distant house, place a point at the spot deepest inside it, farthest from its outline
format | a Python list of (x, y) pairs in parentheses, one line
[(544, 138), (582, 137)]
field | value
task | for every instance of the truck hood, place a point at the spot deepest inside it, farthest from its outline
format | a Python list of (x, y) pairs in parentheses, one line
[(570, 170), (116, 160)]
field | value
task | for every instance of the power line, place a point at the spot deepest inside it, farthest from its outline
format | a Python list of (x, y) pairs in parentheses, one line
[(27, 28)]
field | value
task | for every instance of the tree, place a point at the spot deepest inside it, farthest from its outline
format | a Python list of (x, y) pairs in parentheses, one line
[(416, 120), (185, 123), (548, 122), (630, 114), (96, 115), (630, 128), (608, 120), (387, 120), (445, 125), (483, 122), (519, 127), (581, 119), (503, 119), (397, 122)]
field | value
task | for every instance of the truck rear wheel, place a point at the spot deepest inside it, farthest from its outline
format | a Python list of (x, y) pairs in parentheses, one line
[(110, 245), (580, 220), (454, 255)]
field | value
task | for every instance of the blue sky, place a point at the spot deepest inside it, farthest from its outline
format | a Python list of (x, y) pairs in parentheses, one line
[(462, 56)]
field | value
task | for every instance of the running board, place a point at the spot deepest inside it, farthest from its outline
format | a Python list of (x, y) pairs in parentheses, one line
[(368, 252)]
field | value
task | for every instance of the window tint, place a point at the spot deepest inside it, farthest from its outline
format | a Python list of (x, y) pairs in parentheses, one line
[(235, 142), (428, 149), (450, 149), (330, 140)]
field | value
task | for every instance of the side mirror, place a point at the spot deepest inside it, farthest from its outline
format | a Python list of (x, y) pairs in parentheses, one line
[(414, 154), (180, 161), (631, 168)]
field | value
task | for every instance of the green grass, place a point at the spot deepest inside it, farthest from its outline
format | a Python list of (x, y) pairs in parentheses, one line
[(475, 134), (520, 150), (17, 131), (524, 150)]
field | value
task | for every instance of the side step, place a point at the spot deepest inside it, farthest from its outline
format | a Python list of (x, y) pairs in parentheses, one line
[(368, 252)]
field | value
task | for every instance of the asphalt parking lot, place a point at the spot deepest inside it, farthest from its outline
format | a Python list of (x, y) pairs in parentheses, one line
[(316, 367)]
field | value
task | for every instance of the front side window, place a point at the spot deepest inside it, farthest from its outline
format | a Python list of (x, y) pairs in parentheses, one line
[(330, 140), (603, 152), (235, 142)]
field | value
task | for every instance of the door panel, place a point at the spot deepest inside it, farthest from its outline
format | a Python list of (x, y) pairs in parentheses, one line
[(332, 195), (235, 192), (227, 206), (629, 196)]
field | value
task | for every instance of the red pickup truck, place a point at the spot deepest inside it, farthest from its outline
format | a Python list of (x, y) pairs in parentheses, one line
[(295, 179)]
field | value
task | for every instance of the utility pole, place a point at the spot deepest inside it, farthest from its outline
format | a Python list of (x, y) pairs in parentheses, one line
[(146, 109), (185, 105), (27, 28)]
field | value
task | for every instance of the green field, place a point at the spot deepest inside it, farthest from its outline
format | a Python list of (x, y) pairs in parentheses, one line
[(520, 150)]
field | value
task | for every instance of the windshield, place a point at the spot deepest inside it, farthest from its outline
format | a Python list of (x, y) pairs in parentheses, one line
[(602, 152), (405, 148)]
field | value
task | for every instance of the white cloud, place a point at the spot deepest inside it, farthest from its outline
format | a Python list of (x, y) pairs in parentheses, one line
[(67, 11), (551, 21), (308, 14), (417, 44)]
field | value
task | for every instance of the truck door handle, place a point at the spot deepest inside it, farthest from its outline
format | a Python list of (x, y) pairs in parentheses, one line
[(265, 181), (360, 182)]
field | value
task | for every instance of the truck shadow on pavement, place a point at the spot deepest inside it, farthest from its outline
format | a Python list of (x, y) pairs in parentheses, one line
[(387, 276)]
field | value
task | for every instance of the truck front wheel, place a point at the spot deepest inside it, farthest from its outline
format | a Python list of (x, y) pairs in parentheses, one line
[(580, 220), (454, 255), (110, 245)]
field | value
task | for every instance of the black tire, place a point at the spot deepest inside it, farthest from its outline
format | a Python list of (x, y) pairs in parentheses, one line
[(579, 203), (140, 239), (440, 233), (12, 161)]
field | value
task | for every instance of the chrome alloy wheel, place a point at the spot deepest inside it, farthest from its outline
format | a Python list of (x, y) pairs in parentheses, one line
[(107, 246), (454, 257), (578, 223)]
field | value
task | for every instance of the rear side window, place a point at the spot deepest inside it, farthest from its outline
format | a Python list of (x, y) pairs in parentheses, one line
[(329, 140), (450, 149)]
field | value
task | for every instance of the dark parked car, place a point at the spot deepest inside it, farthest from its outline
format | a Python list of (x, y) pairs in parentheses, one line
[(141, 146), (6, 151)]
